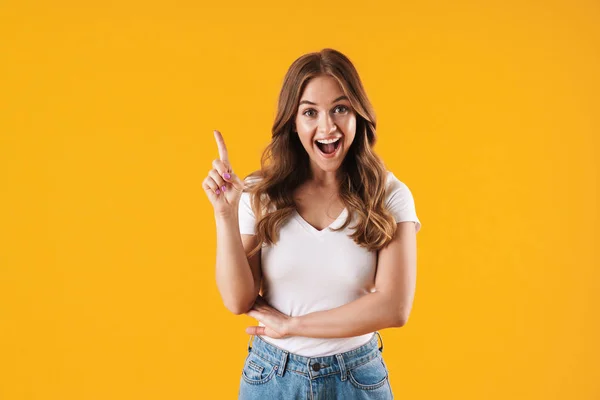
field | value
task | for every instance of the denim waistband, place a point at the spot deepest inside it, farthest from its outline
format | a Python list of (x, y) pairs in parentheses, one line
[(314, 367)]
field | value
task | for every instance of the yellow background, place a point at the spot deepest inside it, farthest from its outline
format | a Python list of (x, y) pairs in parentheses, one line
[(487, 110)]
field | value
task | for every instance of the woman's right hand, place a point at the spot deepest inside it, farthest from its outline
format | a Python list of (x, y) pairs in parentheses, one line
[(222, 186)]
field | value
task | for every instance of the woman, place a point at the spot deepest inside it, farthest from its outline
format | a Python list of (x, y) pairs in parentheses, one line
[(326, 232)]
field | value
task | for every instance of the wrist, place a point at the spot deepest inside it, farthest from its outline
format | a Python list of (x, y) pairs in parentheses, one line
[(226, 216), (293, 327)]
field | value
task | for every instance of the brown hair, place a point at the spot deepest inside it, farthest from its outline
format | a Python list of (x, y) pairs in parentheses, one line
[(285, 163)]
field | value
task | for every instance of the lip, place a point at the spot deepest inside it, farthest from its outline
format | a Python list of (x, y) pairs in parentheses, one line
[(332, 155)]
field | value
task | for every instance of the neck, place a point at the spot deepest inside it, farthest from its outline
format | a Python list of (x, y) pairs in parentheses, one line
[(325, 179)]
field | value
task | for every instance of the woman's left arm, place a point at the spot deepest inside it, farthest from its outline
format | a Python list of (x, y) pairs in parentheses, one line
[(389, 306)]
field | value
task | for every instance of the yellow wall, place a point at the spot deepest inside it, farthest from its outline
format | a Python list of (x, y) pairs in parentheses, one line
[(487, 110)]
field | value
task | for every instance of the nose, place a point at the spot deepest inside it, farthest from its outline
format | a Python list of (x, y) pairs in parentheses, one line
[(326, 124)]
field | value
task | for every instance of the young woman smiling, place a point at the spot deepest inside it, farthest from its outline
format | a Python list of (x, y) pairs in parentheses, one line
[(319, 245)]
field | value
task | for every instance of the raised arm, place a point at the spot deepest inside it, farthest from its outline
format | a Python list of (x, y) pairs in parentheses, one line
[(238, 278)]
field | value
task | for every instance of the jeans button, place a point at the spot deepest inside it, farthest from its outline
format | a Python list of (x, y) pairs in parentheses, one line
[(316, 367)]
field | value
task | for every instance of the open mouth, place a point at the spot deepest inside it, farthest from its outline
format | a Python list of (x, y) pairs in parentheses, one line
[(329, 149)]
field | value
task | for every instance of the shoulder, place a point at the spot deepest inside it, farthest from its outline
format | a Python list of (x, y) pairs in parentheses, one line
[(251, 180), (245, 209), (393, 185), (399, 200), (248, 194)]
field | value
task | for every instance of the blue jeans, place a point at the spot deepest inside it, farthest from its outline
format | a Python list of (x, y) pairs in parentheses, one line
[(273, 373)]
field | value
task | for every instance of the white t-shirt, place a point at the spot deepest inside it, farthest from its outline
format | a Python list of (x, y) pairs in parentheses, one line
[(309, 270)]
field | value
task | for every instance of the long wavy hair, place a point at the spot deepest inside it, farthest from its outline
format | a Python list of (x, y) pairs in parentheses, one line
[(285, 163)]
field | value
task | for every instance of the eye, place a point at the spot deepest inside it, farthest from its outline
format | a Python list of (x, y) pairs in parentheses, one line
[(343, 111), (304, 113)]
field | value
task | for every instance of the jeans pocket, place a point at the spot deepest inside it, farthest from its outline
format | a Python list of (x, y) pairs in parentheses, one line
[(257, 370), (370, 375)]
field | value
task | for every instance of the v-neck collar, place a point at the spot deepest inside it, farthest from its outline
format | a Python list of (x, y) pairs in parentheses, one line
[(335, 224)]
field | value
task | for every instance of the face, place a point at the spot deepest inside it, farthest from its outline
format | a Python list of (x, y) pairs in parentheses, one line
[(325, 113)]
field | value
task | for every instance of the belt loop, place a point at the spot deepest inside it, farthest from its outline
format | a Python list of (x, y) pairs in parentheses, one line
[(340, 359), (284, 357), (381, 348), (250, 340)]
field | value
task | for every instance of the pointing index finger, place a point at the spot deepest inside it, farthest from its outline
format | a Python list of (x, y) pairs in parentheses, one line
[(222, 148)]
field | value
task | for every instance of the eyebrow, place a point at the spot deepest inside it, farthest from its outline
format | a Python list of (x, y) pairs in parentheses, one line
[(314, 104)]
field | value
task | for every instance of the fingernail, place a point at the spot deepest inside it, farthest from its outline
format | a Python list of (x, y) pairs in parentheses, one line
[(226, 175), (224, 188), (217, 191)]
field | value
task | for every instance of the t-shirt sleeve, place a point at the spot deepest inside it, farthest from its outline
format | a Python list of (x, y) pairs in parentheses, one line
[(246, 215), (400, 201)]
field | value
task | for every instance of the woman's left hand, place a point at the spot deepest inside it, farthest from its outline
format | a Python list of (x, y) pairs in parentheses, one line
[(277, 324)]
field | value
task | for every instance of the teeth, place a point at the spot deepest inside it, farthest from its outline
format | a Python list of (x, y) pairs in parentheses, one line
[(328, 141)]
